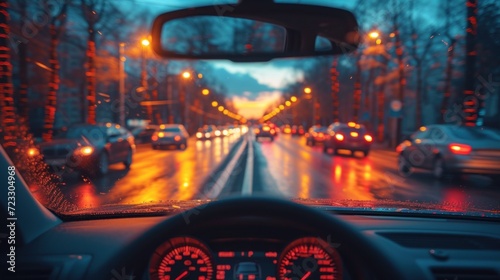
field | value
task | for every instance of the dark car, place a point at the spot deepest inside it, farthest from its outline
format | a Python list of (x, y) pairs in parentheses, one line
[(90, 148), (143, 134), (451, 149), (264, 131), (316, 134), (347, 136), (170, 135), (298, 130)]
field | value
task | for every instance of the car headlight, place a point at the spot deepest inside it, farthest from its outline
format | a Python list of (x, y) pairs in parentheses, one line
[(84, 151), (199, 134)]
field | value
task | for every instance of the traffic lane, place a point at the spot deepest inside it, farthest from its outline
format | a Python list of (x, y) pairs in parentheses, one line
[(154, 176), (301, 171)]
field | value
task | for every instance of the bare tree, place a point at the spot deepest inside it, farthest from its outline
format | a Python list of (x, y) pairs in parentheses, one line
[(7, 109), (93, 14), (57, 23)]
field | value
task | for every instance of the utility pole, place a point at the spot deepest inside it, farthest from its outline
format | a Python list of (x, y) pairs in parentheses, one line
[(122, 85)]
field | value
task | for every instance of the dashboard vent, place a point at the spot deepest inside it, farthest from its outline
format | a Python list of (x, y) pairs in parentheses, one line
[(448, 273), (443, 241), (32, 273)]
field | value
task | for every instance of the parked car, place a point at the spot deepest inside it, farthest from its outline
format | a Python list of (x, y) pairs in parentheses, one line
[(450, 149), (90, 148), (347, 136), (316, 134), (143, 134), (264, 131), (170, 135)]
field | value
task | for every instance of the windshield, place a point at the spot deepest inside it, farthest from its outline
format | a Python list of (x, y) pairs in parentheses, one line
[(171, 129), (418, 71)]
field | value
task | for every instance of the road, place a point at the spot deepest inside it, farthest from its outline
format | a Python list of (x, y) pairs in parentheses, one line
[(301, 171), (293, 169), (155, 175)]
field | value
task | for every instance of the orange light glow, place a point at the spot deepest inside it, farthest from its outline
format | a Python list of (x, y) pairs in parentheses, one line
[(351, 124), (374, 34), (177, 138), (33, 152), (288, 103), (186, 75), (282, 107), (307, 90), (368, 138), (354, 134), (145, 42), (339, 137), (460, 149), (161, 134), (220, 108), (205, 91), (215, 103)]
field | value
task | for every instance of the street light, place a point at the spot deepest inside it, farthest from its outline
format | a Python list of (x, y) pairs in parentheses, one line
[(215, 103), (205, 91), (145, 42), (288, 103), (373, 34), (307, 90), (293, 99), (186, 75)]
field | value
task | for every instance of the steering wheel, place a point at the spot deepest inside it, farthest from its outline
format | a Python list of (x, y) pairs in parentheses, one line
[(370, 255)]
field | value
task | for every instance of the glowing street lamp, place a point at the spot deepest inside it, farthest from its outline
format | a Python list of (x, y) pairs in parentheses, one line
[(282, 107), (186, 75), (145, 42), (220, 108), (215, 103), (293, 99), (205, 91), (307, 90), (288, 103), (373, 34)]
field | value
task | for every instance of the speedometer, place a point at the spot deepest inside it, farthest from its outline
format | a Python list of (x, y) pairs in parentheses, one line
[(309, 258), (181, 258)]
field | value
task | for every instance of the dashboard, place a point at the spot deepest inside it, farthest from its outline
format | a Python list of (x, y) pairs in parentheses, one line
[(264, 242), (245, 259)]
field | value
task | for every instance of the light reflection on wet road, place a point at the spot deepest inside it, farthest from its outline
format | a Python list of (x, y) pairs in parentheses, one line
[(155, 175), (302, 171), (296, 170)]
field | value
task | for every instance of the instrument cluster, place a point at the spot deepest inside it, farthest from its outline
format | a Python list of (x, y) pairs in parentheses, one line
[(190, 258)]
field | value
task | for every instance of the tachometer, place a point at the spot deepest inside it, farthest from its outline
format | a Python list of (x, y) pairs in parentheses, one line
[(309, 258), (181, 258)]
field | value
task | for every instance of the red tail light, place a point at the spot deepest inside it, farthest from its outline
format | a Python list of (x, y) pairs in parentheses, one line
[(460, 149), (154, 138), (321, 134), (177, 138), (368, 138), (339, 137), (273, 131)]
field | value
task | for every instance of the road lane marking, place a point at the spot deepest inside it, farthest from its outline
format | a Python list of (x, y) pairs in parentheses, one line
[(248, 176)]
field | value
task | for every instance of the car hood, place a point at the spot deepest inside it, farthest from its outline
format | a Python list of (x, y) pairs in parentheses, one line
[(70, 143), (385, 207)]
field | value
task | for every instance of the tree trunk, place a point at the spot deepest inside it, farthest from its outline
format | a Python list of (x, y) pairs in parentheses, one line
[(51, 100), (334, 76), (470, 103), (23, 73), (91, 78), (418, 95), (447, 81), (7, 109), (357, 90)]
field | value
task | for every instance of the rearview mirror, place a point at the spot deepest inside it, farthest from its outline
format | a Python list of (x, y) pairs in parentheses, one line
[(254, 31)]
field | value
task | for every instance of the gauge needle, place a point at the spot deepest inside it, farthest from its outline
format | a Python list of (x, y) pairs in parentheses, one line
[(305, 276), (182, 275)]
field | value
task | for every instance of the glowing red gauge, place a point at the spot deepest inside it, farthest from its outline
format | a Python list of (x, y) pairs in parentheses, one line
[(181, 258), (309, 258)]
